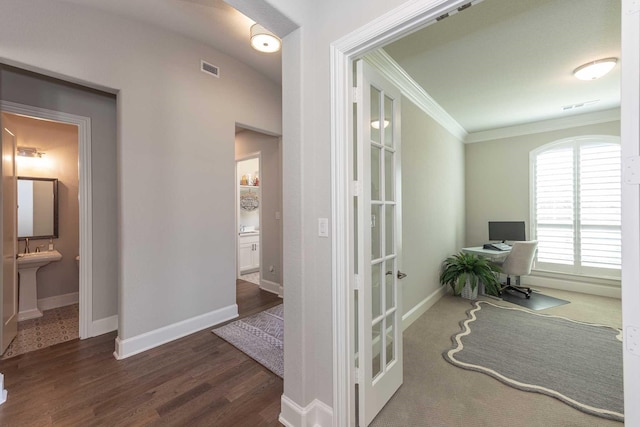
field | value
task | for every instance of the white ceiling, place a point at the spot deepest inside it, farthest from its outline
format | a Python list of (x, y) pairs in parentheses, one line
[(501, 63), (212, 22)]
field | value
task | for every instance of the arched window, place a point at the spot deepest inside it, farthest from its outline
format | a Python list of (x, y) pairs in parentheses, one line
[(576, 205)]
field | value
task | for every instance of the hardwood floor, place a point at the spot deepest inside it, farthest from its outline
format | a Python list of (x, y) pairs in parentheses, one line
[(198, 380)]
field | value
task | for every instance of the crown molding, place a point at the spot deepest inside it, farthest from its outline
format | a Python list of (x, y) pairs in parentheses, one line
[(392, 71), (545, 126)]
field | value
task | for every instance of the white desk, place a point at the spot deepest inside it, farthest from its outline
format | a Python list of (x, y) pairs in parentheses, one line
[(487, 253)]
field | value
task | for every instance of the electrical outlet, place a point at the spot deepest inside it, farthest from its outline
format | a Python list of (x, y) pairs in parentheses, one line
[(277, 215)]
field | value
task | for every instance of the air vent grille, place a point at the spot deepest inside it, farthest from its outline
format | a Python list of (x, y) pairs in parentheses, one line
[(579, 105), (205, 67)]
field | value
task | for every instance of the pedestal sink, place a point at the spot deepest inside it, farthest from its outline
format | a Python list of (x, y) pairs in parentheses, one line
[(28, 265)]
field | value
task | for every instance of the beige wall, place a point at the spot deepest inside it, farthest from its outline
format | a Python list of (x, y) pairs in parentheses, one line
[(497, 177), (249, 142), (60, 144), (432, 202)]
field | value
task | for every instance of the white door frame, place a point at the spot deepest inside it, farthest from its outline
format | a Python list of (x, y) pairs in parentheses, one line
[(393, 25), (85, 290)]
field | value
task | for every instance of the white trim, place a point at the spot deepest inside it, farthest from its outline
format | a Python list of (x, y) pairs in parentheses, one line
[(269, 286), (315, 414), (422, 307), (57, 301), (393, 72), (85, 289), (134, 345), (400, 21), (103, 326), (596, 117), (630, 136), (3, 392)]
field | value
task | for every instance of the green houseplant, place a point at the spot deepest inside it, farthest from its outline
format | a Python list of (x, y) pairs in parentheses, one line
[(464, 269)]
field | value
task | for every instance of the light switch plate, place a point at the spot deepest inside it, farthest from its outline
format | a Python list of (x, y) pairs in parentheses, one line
[(323, 227)]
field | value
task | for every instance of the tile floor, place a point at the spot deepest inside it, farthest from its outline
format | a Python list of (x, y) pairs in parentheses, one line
[(251, 277), (55, 326)]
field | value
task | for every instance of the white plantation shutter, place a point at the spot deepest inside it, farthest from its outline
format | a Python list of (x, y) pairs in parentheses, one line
[(554, 206), (576, 206), (600, 209)]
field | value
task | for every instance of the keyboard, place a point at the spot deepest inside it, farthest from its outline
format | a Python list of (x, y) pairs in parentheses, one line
[(497, 246)]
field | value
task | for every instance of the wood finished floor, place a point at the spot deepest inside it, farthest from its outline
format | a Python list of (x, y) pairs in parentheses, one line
[(198, 380)]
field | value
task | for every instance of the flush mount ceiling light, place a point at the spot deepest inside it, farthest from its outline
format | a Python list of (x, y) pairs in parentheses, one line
[(376, 124), (29, 152), (264, 40), (595, 69)]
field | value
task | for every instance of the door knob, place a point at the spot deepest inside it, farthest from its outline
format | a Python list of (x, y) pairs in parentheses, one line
[(401, 275)]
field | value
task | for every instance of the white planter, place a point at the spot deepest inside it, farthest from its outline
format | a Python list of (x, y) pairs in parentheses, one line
[(468, 293)]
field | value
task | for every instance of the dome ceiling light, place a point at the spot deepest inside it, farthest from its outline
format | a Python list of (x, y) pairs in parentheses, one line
[(595, 69), (264, 40)]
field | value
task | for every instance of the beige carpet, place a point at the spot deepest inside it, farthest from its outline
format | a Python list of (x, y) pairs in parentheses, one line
[(436, 393), (55, 326)]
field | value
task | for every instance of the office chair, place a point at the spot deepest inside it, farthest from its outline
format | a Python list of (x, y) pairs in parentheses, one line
[(518, 263)]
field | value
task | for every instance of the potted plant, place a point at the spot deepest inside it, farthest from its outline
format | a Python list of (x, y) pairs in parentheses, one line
[(463, 272)]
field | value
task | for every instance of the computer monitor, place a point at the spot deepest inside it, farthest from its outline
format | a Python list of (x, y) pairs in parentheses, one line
[(506, 230)]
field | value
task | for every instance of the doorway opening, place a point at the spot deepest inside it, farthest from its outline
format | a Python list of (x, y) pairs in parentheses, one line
[(48, 177)]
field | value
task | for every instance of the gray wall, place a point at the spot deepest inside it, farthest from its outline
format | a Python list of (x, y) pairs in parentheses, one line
[(432, 202), (497, 177), (248, 142), (29, 89)]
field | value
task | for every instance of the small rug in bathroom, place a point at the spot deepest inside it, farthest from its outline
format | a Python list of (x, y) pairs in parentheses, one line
[(259, 336)]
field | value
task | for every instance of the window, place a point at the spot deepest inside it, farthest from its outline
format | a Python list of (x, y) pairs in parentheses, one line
[(576, 206)]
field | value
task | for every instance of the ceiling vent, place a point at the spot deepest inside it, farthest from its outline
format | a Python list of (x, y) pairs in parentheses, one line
[(205, 67), (580, 105)]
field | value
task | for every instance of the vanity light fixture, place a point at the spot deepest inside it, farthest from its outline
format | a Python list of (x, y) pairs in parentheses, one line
[(376, 124), (595, 69), (29, 152), (264, 40)]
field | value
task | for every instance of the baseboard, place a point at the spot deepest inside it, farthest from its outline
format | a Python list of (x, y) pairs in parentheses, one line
[(315, 414), (269, 286), (569, 285), (134, 345), (103, 326), (422, 307), (58, 301)]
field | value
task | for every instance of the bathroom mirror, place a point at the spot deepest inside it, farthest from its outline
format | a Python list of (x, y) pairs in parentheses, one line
[(37, 208)]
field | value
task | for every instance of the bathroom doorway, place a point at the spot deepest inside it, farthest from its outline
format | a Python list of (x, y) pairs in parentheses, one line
[(47, 219)]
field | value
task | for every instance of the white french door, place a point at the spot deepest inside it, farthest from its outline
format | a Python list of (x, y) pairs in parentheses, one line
[(378, 242)]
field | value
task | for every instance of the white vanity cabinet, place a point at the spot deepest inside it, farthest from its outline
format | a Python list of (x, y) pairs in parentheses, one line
[(248, 252)]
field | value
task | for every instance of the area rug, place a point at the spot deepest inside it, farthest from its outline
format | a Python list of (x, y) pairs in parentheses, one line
[(578, 363), (537, 301), (259, 336)]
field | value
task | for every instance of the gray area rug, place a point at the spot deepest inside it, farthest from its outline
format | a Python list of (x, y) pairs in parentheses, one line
[(578, 363), (259, 336)]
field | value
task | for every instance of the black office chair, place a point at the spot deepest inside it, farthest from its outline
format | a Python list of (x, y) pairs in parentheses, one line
[(519, 263)]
